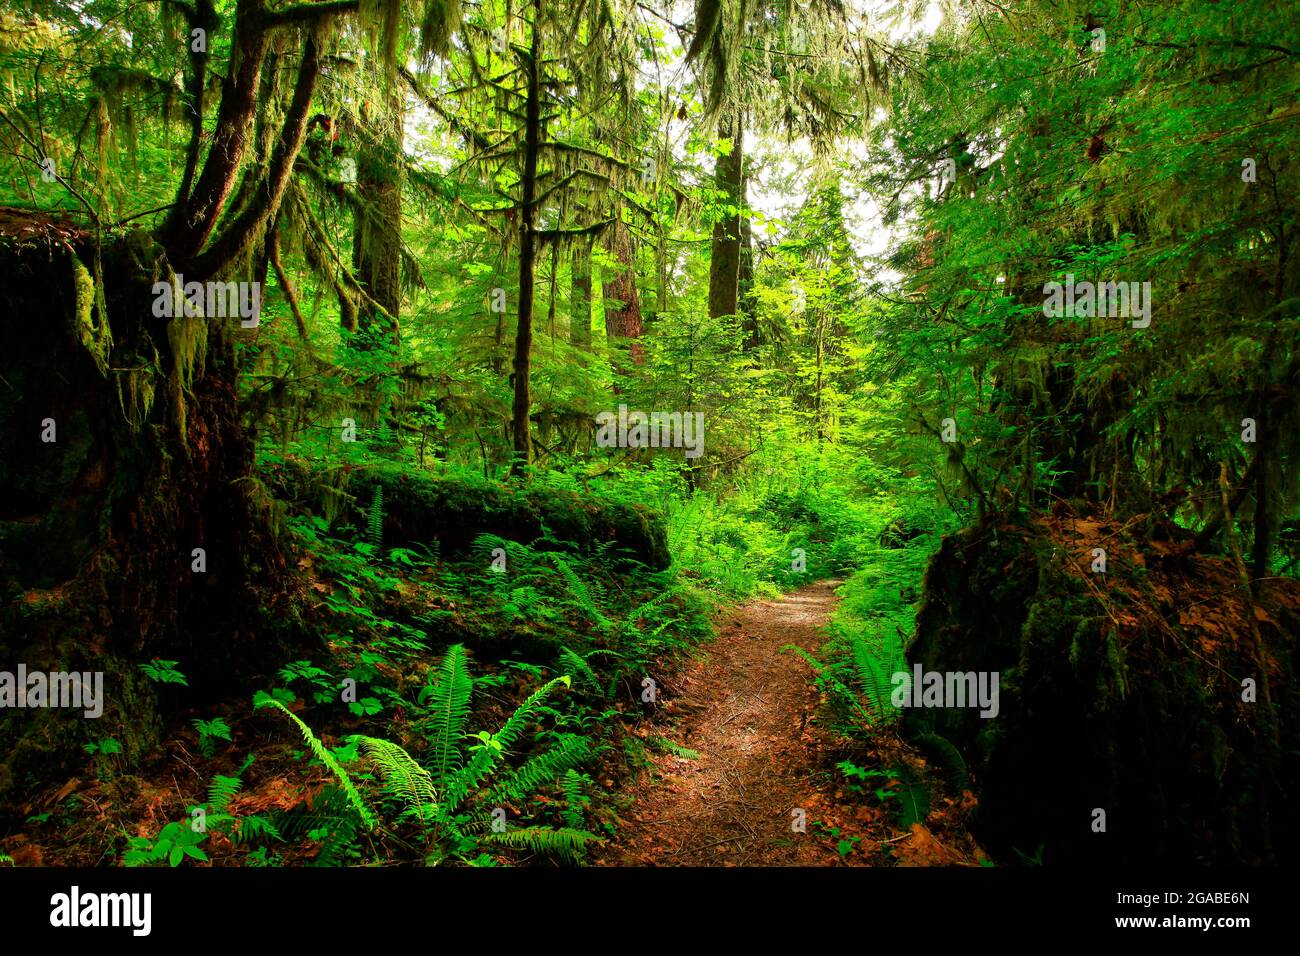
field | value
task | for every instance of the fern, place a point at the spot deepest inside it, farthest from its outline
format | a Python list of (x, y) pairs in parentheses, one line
[(644, 609), (664, 745), (454, 832), (573, 661), (253, 828), (332, 814), (565, 844), (569, 752), (844, 692), (375, 517), (914, 797), (402, 776), (575, 800), (324, 756), (493, 746), (222, 790), (943, 752), (448, 703), (518, 555), (458, 785), (874, 667), (514, 726), (580, 591)]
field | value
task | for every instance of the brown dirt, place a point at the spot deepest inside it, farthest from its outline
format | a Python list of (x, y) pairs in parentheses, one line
[(748, 709)]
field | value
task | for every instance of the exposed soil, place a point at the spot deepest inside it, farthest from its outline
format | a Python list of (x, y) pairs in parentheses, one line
[(749, 710)]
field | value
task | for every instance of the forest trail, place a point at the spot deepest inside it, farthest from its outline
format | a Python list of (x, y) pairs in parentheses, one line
[(747, 708)]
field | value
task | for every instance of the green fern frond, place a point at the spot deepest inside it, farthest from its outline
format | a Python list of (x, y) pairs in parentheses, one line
[(644, 609), (874, 664), (402, 776), (663, 744), (333, 813), (580, 590), (481, 765), (519, 555), (573, 661), (914, 797), (575, 800), (375, 517), (458, 786), (448, 703), (513, 727), (844, 692), (571, 751), (564, 844), (324, 756), (253, 828), (222, 790), (941, 751)]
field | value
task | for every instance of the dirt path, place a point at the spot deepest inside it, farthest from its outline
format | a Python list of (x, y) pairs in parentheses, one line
[(746, 707)]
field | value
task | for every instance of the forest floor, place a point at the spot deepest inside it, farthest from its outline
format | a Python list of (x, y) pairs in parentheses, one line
[(749, 709)]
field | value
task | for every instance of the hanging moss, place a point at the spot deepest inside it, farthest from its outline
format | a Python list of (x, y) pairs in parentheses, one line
[(95, 336)]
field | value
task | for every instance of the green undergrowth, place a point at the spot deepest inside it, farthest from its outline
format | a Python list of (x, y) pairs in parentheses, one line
[(780, 526), (470, 704), (868, 637)]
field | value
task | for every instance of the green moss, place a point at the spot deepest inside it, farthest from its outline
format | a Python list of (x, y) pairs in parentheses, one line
[(454, 512), (95, 336)]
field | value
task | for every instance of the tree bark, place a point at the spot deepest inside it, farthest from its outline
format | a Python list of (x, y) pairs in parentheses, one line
[(724, 263), (377, 236), (622, 304), (745, 286), (195, 215), (580, 297), (98, 527), (523, 450), (249, 226)]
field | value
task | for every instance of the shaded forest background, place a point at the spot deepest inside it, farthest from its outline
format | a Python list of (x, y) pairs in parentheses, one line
[(315, 554)]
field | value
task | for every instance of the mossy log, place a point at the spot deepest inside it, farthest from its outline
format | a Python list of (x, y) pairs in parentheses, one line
[(453, 512)]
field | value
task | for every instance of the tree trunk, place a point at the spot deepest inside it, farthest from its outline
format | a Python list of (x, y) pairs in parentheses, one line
[(195, 215), (622, 305), (580, 298), (248, 229), (377, 235), (745, 286), (724, 263), (523, 451), (99, 526), (131, 525)]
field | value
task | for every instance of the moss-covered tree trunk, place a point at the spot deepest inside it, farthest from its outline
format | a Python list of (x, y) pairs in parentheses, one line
[(130, 525), (580, 297), (623, 323), (522, 404), (724, 266)]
